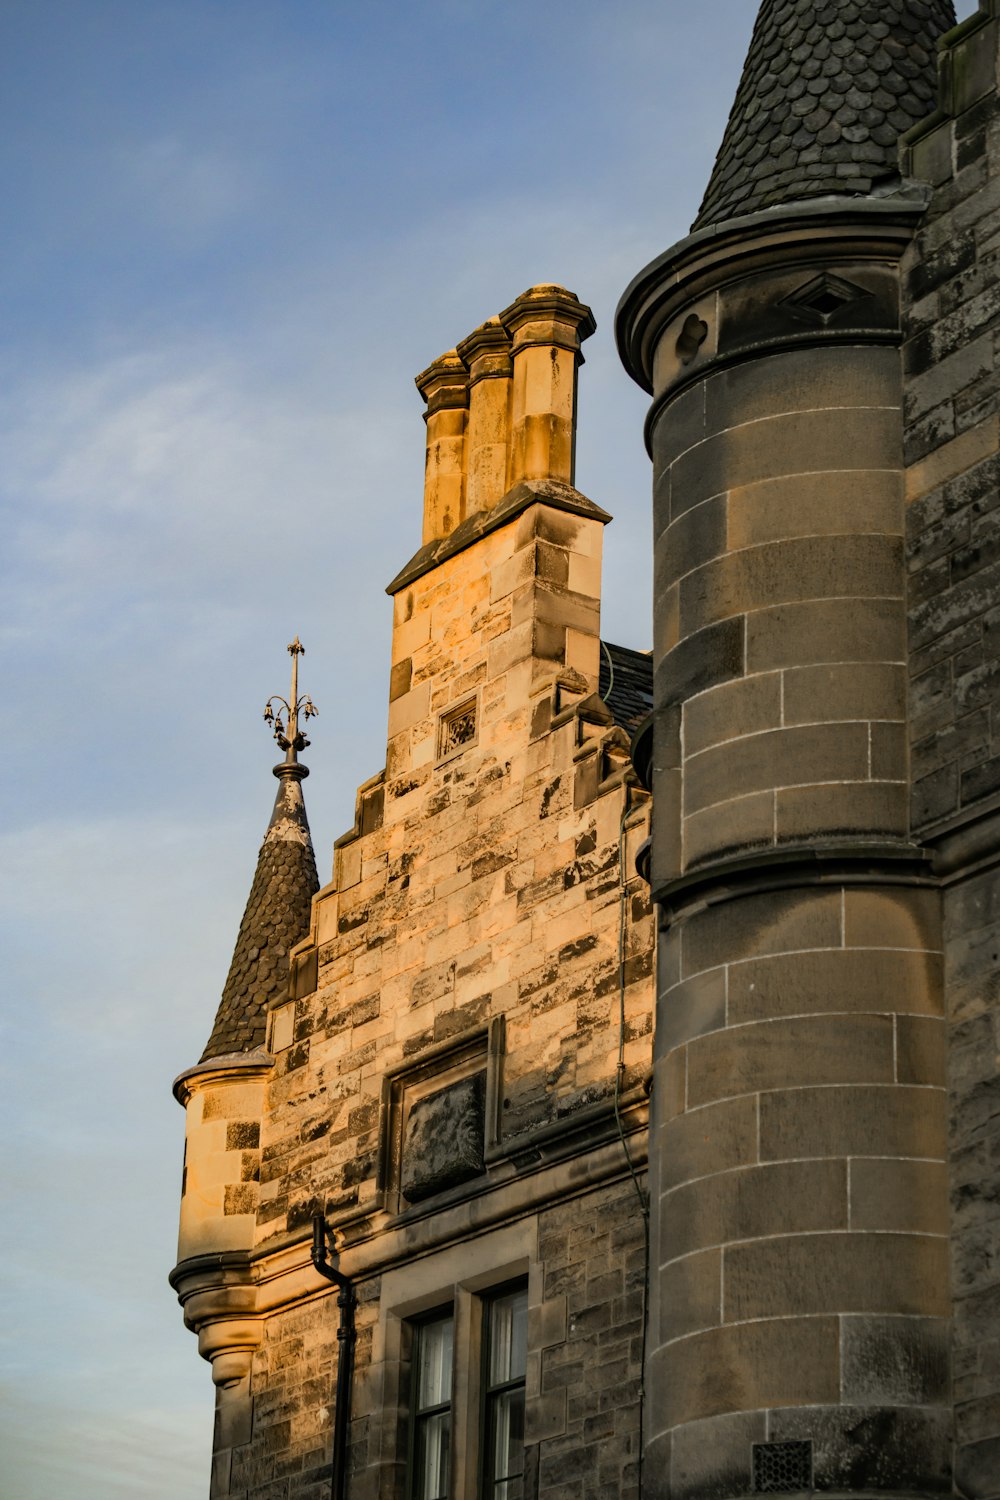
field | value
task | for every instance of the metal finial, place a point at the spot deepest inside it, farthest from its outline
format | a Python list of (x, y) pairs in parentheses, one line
[(292, 739)]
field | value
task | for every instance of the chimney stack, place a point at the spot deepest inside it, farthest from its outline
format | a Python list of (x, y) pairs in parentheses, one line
[(486, 355), (547, 325), (444, 385)]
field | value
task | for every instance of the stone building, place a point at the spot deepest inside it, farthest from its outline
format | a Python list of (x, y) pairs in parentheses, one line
[(822, 357), (457, 1078), (445, 1058)]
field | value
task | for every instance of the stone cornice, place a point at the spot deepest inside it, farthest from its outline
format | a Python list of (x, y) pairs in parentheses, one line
[(812, 232), (552, 492), (232, 1067)]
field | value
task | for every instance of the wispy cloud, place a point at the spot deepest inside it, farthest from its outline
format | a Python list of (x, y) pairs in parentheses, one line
[(54, 1447), (185, 190)]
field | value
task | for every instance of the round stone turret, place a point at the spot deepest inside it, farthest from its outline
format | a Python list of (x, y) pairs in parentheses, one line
[(797, 1173)]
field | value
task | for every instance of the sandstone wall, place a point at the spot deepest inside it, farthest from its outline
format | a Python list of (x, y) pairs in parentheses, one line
[(470, 949)]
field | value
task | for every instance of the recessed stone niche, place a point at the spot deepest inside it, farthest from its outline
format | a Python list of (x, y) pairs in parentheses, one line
[(439, 1118)]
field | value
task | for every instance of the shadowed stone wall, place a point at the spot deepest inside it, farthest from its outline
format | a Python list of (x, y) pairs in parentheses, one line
[(952, 406), (799, 1304)]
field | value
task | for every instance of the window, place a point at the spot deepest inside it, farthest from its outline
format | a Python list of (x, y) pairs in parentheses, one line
[(503, 1395), (431, 1436), (467, 1399)]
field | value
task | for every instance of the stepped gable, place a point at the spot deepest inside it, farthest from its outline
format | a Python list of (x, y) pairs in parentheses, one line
[(828, 87), (626, 684), (276, 918)]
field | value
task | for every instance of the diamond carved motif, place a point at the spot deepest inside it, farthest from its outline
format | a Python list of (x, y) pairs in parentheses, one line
[(822, 298)]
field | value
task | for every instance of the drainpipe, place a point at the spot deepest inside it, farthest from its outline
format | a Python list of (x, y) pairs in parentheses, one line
[(347, 1302)]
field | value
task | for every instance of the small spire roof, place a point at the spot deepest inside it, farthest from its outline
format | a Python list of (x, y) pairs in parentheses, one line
[(827, 89), (278, 908)]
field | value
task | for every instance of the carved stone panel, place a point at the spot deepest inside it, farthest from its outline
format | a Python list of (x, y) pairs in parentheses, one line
[(444, 1138)]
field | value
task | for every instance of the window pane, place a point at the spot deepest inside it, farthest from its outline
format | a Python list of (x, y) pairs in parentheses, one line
[(433, 1447), (503, 1412), (434, 1356), (508, 1436), (508, 1337)]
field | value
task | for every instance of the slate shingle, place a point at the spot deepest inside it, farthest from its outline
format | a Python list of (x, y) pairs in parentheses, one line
[(827, 89), (626, 684), (276, 918)]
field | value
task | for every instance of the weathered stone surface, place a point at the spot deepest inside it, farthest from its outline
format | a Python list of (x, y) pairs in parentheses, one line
[(754, 1203), (952, 412), (886, 1362), (952, 409), (874, 1447), (904, 1274), (445, 1139), (778, 1362)]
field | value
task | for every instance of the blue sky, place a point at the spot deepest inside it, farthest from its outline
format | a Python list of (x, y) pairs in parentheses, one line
[(236, 231)]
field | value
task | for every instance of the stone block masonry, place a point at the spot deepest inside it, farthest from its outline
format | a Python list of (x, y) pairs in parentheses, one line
[(799, 1334), (951, 362), (457, 1078)]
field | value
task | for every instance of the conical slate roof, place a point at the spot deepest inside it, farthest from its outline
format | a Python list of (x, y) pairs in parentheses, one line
[(828, 87), (275, 919)]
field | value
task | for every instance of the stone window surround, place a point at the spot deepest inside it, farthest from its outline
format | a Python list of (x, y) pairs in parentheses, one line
[(447, 1062), (461, 1277)]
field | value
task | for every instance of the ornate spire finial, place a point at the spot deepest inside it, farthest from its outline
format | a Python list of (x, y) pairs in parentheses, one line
[(291, 739), (278, 908)]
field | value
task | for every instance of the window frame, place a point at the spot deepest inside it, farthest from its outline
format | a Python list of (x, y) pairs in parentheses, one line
[(446, 1313), (460, 1274), (486, 1482), (470, 1406)]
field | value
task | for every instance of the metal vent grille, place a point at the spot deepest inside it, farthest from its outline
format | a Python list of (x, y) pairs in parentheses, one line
[(782, 1468)]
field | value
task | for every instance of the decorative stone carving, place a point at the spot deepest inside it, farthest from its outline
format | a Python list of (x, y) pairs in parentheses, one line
[(443, 1141)]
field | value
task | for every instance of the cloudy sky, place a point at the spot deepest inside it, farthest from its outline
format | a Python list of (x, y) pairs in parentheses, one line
[(236, 229)]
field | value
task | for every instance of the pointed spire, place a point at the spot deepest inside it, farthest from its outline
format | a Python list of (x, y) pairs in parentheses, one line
[(278, 908), (828, 87)]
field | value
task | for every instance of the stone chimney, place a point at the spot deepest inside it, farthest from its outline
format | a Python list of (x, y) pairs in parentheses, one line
[(501, 407), (486, 354), (547, 325), (444, 385)]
